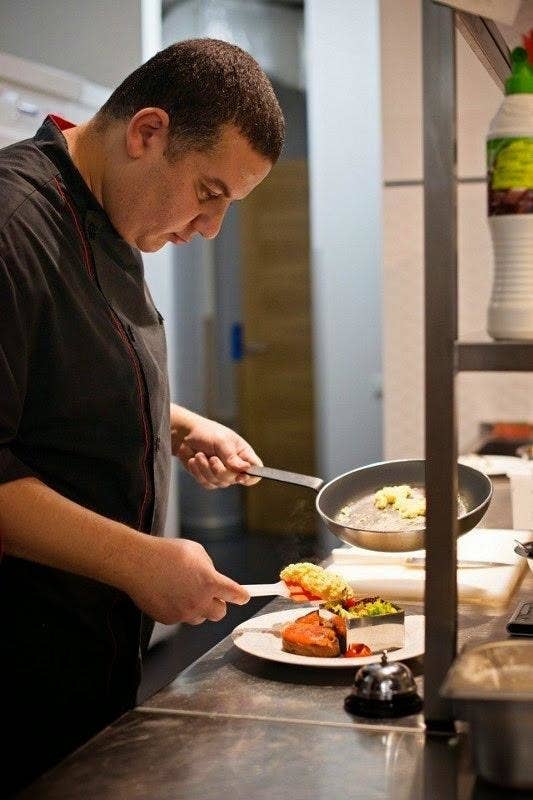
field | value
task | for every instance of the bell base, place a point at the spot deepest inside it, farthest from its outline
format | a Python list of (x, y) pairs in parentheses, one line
[(383, 709)]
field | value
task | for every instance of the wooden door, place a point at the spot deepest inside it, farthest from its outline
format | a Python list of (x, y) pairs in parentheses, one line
[(275, 375)]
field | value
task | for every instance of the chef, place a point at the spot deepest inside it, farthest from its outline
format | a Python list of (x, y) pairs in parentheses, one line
[(87, 427)]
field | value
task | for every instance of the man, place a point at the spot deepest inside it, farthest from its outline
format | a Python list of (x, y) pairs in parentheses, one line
[(85, 428)]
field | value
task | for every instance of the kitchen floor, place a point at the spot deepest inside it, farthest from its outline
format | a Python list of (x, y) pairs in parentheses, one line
[(247, 557)]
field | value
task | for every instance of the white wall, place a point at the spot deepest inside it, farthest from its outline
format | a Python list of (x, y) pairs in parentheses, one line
[(481, 396), (98, 39), (344, 112)]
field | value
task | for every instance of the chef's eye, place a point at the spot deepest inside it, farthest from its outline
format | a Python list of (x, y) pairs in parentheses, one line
[(208, 194)]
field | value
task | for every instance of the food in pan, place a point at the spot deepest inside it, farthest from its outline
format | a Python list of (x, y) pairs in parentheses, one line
[(392, 495), (316, 583), (410, 502), (390, 508)]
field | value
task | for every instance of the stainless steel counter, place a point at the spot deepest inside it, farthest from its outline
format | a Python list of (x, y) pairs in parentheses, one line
[(234, 725)]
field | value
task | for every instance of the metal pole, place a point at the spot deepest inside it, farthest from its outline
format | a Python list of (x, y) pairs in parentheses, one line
[(440, 231)]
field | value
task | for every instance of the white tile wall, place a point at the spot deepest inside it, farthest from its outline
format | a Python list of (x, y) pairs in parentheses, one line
[(403, 323), (480, 397), (401, 89), (475, 258)]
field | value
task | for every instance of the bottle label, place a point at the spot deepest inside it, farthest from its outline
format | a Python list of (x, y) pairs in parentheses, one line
[(510, 175)]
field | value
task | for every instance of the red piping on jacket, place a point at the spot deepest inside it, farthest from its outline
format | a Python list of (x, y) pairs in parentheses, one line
[(60, 122), (88, 261)]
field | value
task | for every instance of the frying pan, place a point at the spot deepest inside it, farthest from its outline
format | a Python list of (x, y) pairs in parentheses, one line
[(374, 529)]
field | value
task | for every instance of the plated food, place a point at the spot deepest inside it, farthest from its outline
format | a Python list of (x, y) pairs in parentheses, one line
[(315, 635), (316, 583), (345, 625), (260, 636)]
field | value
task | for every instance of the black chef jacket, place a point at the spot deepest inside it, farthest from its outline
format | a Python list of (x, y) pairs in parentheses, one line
[(84, 406)]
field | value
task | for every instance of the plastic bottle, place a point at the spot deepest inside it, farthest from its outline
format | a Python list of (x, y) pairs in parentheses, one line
[(510, 205)]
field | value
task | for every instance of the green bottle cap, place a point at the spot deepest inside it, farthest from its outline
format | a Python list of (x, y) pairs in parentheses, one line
[(521, 81)]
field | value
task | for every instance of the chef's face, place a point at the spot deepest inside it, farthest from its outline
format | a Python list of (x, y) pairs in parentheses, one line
[(158, 199)]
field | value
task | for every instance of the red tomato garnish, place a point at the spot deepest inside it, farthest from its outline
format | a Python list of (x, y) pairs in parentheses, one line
[(349, 603), (357, 650)]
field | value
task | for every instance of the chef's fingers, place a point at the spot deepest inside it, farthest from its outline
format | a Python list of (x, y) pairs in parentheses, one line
[(210, 473), (246, 480), (217, 610), (230, 591), (240, 463), (236, 453), (194, 468), (213, 471), (220, 474), (185, 452), (195, 620), (248, 456), (202, 462), (227, 477)]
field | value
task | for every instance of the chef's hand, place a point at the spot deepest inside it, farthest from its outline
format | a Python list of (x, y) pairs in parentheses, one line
[(177, 582), (214, 454)]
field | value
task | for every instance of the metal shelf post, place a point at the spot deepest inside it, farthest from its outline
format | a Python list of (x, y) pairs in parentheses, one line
[(440, 237)]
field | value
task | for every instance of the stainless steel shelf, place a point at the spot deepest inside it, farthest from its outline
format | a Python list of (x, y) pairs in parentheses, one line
[(445, 354), (479, 354)]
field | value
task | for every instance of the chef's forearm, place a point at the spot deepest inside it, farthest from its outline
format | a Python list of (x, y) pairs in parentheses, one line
[(38, 524), (181, 423)]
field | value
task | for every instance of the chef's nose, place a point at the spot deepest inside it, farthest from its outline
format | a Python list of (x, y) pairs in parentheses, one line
[(208, 225)]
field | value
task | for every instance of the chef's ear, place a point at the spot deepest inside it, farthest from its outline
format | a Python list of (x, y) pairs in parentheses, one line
[(147, 129)]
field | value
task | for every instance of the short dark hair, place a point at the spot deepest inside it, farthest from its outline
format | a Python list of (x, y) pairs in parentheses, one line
[(203, 84)]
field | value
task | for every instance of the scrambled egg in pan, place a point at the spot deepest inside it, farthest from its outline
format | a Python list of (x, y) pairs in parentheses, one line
[(402, 499)]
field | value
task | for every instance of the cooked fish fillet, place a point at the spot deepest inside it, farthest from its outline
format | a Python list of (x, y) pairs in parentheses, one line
[(310, 640)]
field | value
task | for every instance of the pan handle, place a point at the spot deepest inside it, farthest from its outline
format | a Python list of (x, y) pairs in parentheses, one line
[(286, 477)]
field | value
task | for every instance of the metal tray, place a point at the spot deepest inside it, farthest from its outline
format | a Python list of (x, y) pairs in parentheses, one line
[(491, 687)]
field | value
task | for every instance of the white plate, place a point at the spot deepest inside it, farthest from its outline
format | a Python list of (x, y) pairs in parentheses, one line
[(257, 636), (490, 464)]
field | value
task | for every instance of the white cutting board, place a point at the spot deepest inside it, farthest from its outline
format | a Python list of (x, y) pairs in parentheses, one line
[(371, 573)]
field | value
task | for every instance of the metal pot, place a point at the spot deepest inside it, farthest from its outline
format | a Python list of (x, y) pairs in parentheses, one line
[(372, 530)]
